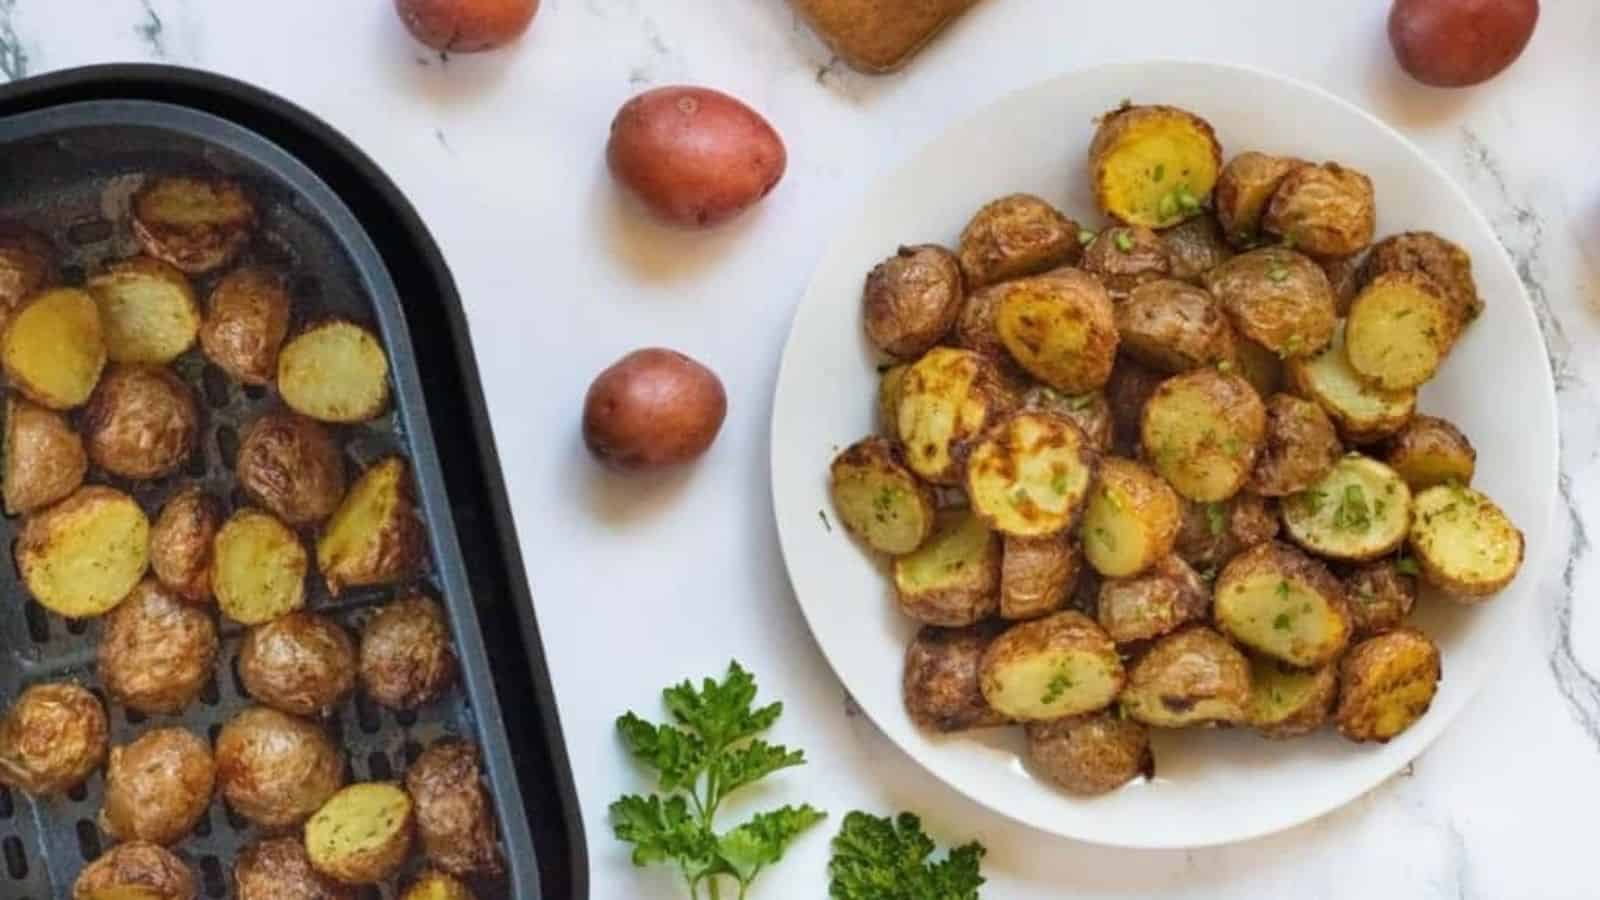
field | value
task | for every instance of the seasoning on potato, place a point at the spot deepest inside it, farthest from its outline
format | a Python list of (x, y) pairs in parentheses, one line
[(1381, 594), (274, 769), (80, 557), (651, 409), (1126, 256), (1400, 328), (147, 308), (1386, 683), (1061, 328), (1301, 447), (1158, 601), (157, 787), (52, 738), (1043, 669), (1174, 327), (334, 371), (141, 423), (878, 499), (1091, 412), (1359, 510), (953, 578), (136, 870), (948, 399), (1131, 519), (362, 834), (1288, 702), (1458, 43), (1277, 298), (180, 542), (912, 299), (1029, 476), (1153, 165), (1362, 412), (1325, 210), (1430, 451), (466, 26), (258, 568), (44, 460), (1213, 533), (1447, 265), (1464, 542), (1190, 677), (1196, 247), (1284, 604), (1202, 430), (156, 653)]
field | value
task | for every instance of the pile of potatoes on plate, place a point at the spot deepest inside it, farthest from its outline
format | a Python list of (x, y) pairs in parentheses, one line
[(1171, 473)]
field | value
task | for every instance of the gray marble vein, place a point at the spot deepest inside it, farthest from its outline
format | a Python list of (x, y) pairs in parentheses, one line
[(151, 30), (13, 56)]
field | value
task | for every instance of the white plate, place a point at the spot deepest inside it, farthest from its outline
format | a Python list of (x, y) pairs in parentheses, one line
[(1211, 787)]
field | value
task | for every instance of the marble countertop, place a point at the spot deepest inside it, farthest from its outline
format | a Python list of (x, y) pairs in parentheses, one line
[(640, 582)]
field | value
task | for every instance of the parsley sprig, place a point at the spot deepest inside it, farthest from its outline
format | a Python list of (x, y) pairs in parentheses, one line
[(888, 859)]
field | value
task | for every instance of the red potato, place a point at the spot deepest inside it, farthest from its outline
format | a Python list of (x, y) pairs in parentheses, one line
[(1457, 43), (466, 26), (653, 408), (695, 157)]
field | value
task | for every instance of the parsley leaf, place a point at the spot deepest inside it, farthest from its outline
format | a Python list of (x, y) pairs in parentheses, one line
[(1282, 622), (1405, 565), (761, 841), (1215, 519), (1353, 513), (888, 859), (1123, 240)]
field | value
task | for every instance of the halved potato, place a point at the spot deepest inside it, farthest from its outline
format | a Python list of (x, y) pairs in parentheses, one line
[(1061, 328), (1124, 257), (1166, 596), (1029, 475), (1288, 702), (1202, 431), (1153, 165), (80, 557), (362, 834), (1430, 451), (1423, 251), (1381, 594), (374, 537), (948, 399), (1401, 326), (953, 578), (1302, 447), (196, 224), (1278, 298), (1328, 210), (1360, 510), (1363, 412), (44, 458), (1061, 665), (258, 568), (1131, 520), (1244, 188), (247, 318), (1014, 236), (147, 310), (1277, 601), (889, 399), (1463, 542), (1173, 326), (1091, 412), (1037, 575), (1190, 677), (54, 348), (1091, 754), (1386, 683), (940, 683), (878, 499), (335, 371), (436, 885)]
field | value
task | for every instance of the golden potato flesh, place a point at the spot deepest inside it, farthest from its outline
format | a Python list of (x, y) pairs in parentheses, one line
[(1037, 575), (291, 465), (1153, 165), (1202, 431), (247, 318), (1173, 327), (940, 683), (455, 819), (141, 422), (947, 400), (1124, 257), (1328, 210), (1400, 328), (27, 265), (879, 499), (432, 885), (156, 653), (52, 738), (258, 568), (1281, 603), (1061, 328), (362, 834), (1244, 189), (275, 769), (1446, 264), (1278, 298), (180, 542), (1029, 475), (278, 869), (1360, 510), (1044, 669), (335, 371), (1381, 594), (1386, 683), (148, 310), (1014, 236), (53, 348), (136, 870), (374, 537), (80, 557), (1091, 754), (196, 224), (406, 658), (912, 299), (1301, 447), (1431, 451), (157, 787), (1362, 412), (953, 578), (1131, 520), (1464, 543), (1168, 595), (44, 457), (301, 663), (1091, 412), (1190, 677), (1288, 702)]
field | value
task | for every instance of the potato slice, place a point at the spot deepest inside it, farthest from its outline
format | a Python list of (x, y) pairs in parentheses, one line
[(1430, 451), (1190, 677), (1092, 754), (1168, 595), (1037, 575), (1061, 328), (1287, 702), (1131, 520), (1463, 542), (1014, 236), (374, 537), (947, 400), (44, 458), (1301, 448), (1362, 412), (1202, 431), (1278, 298), (1091, 412), (1328, 210), (53, 348), (362, 834), (940, 684), (953, 578), (1029, 476), (1399, 330), (196, 224), (80, 557), (889, 399), (1386, 683), (258, 568), (1124, 257), (878, 499), (1381, 594), (1244, 188), (335, 371), (1153, 165), (1173, 327), (1446, 264), (1061, 665), (1360, 510), (147, 310), (1279, 602)]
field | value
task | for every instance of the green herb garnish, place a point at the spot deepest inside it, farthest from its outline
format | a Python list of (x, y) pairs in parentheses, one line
[(1405, 565), (1224, 366), (1310, 501), (888, 859), (1159, 173), (1058, 685), (1352, 514), (825, 523), (1277, 274), (1282, 622), (1085, 237), (1283, 590), (1123, 240), (1215, 519), (1186, 199)]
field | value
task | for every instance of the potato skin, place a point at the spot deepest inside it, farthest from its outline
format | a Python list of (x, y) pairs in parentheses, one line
[(975, 329), (1173, 327), (278, 869), (180, 542), (1386, 683), (1344, 279), (694, 156), (940, 682), (1430, 451), (1380, 596), (52, 738), (912, 299), (1301, 447), (44, 458), (1126, 256), (27, 265), (1195, 247), (291, 465), (1091, 412), (142, 422), (1244, 188), (1213, 533), (1091, 754), (302, 663), (156, 652), (455, 819), (1446, 264), (1190, 677), (246, 321), (1457, 43), (1278, 298), (1037, 575), (1326, 210), (1015, 236), (138, 869), (274, 769), (406, 658), (157, 787), (1159, 600), (466, 26), (195, 244), (652, 409), (1131, 385)]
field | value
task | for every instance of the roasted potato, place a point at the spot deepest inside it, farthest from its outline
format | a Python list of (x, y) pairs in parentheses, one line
[(258, 568), (1196, 247), (1400, 328), (1245, 188), (889, 399), (911, 300), (1130, 387), (940, 684), (335, 371), (1014, 236), (1380, 595), (1091, 754), (1213, 533), (405, 657), (196, 224), (1091, 412), (953, 579), (1301, 448), (1344, 279), (1202, 431), (52, 738), (362, 834), (948, 399), (1061, 328), (148, 311), (466, 26), (137, 870), (1363, 413), (1153, 165), (1385, 684), (1158, 601), (292, 466), (878, 498), (279, 869), (53, 348), (274, 769), (247, 318), (156, 652), (1326, 210), (1126, 256), (1061, 665), (1131, 520), (157, 787), (141, 422), (975, 326), (1278, 298), (1449, 267), (1287, 702), (1279, 602), (455, 820), (44, 458), (1446, 43), (1464, 543), (27, 266), (1029, 476), (1360, 510), (1258, 365), (432, 885), (1037, 575), (1431, 451), (1190, 677), (180, 542), (81, 556), (651, 409), (1173, 327), (301, 663), (374, 537)]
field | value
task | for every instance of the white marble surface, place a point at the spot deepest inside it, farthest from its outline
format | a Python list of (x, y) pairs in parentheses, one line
[(641, 582)]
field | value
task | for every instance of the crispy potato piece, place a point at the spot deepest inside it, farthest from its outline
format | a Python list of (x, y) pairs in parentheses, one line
[(27, 266), (1287, 702), (1126, 256), (1446, 264), (81, 556), (406, 657), (52, 738), (431, 885), (1328, 210), (147, 309), (258, 568), (1037, 575), (1028, 477), (1257, 365), (455, 819), (1385, 684), (1061, 328), (1400, 329), (1189, 677), (136, 870), (180, 542), (157, 787), (1196, 247), (292, 466), (141, 422), (362, 834), (975, 328), (1380, 595), (1153, 165), (1014, 236), (278, 869), (940, 684), (1174, 327), (1302, 447), (953, 579), (1130, 387), (53, 348), (1090, 412), (301, 663), (374, 537), (274, 769), (1202, 431), (1278, 298), (1344, 279), (947, 400), (1464, 543), (912, 299), (1360, 510), (1158, 601), (156, 653), (1091, 754), (1244, 189), (1430, 451), (1061, 665), (1277, 601), (247, 318), (335, 371), (44, 458), (1213, 533), (1363, 413), (1131, 520), (878, 499), (196, 224), (889, 384)]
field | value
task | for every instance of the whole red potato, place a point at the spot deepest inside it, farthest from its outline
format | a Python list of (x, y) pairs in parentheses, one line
[(1456, 43), (651, 409), (466, 26), (694, 156)]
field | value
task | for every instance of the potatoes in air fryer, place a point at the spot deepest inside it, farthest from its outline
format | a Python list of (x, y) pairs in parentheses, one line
[(362, 834), (301, 663), (406, 659), (51, 738), (157, 787), (148, 310), (276, 769), (258, 568), (455, 820), (136, 870), (278, 868), (180, 542), (141, 422), (80, 557), (53, 348), (335, 371), (292, 466), (247, 318), (374, 536), (44, 457), (156, 652), (196, 224)]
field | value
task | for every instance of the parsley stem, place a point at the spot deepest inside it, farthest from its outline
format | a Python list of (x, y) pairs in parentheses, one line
[(715, 895)]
